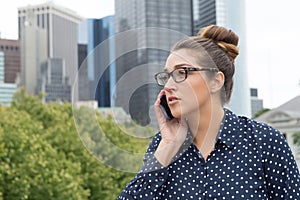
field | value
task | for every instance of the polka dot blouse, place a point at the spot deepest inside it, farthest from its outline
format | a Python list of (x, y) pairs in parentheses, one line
[(250, 160)]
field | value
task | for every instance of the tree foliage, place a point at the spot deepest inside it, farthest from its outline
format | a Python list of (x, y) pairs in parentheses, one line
[(296, 137), (262, 111), (45, 155)]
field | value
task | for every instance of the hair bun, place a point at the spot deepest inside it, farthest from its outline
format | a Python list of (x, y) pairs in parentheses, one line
[(225, 39)]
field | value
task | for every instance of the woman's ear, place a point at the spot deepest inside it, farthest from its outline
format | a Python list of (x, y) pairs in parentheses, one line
[(217, 82)]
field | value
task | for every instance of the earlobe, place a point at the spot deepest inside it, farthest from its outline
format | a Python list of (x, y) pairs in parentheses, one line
[(218, 82)]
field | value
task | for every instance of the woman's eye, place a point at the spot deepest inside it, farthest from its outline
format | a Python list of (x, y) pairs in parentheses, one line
[(181, 72)]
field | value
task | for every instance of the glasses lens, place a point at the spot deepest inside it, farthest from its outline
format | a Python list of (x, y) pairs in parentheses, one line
[(162, 78), (179, 75)]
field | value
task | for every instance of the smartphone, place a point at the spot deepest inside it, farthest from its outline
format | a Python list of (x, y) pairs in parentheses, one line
[(165, 108)]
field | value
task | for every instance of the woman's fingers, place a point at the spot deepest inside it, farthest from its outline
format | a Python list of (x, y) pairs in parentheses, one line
[(159, 115)]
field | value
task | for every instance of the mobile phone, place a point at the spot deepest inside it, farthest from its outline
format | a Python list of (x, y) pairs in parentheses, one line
[(165, 108)]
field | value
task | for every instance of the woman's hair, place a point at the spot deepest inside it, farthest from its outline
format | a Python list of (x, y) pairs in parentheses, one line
[(220, 45)]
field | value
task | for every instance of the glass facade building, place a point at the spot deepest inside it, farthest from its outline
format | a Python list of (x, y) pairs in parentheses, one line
[(147, 29), (96, 71)]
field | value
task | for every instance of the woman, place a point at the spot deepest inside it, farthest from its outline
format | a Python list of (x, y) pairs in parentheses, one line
[(205, 151)]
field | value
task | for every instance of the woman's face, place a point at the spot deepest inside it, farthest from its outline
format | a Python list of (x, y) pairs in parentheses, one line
[(190, 96)]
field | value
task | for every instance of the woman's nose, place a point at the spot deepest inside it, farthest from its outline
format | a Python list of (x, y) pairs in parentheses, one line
[(170, 84)]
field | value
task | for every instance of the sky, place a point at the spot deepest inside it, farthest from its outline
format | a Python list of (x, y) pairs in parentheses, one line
[(86, 9), (273, 44), (272, 32)]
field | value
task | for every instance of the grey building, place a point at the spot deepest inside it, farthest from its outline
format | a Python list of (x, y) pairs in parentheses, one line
[(204, 12), (230, 14), (146, 29), (47, 31), (256, 103), (83, 82), (53, 81)]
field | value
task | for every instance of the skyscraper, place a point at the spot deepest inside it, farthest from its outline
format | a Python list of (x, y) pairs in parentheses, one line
[(47, 31), (11, 50), (147, 31), (100, 74), (204, 13), (230, 14)]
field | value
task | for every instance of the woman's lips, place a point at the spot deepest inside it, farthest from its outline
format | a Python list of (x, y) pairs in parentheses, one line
[(173, 100)]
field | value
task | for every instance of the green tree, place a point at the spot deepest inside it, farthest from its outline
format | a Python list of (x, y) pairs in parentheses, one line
[(296, 138), (259, 113), (30, 167), (44, 154)]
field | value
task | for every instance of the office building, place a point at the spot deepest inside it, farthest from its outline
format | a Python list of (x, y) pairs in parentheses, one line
[(47, 31), (7, 90), (11, 50), (230, 14), (96, 72), (204, 13), (53, 82), (256, 103), (146, 30)]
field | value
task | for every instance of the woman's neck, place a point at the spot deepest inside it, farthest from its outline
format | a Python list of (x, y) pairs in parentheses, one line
[(206, 128)]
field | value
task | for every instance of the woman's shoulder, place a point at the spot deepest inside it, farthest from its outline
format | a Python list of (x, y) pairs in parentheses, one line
[(256, 128), (261, 130)]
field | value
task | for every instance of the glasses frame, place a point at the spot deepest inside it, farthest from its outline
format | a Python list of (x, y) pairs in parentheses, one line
[(187, 70)]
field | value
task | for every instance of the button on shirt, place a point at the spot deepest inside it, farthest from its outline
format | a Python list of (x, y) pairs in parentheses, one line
[(250, 160)]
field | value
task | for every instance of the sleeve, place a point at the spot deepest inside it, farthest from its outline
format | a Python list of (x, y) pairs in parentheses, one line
[(147, 182), (280, 168)]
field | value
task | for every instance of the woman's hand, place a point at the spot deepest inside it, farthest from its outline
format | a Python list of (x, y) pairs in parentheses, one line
[(173, 133)]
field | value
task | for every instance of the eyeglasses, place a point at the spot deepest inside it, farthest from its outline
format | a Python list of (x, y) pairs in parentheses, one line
[(179, 74)]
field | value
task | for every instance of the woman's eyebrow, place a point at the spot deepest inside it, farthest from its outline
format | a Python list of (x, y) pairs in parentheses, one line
[(178, 66)]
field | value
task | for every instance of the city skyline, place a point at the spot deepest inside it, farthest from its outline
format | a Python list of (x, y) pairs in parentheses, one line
[(271, 38)]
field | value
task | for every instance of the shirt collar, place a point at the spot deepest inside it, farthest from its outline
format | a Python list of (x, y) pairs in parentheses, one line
[(228, 128)]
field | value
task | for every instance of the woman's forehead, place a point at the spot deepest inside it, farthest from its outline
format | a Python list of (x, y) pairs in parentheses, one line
[(182, 56)]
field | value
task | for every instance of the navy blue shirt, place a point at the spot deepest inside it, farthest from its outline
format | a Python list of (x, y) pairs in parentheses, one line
[(250, 160)]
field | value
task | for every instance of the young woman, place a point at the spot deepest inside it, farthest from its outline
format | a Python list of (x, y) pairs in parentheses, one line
[(206, 151)]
